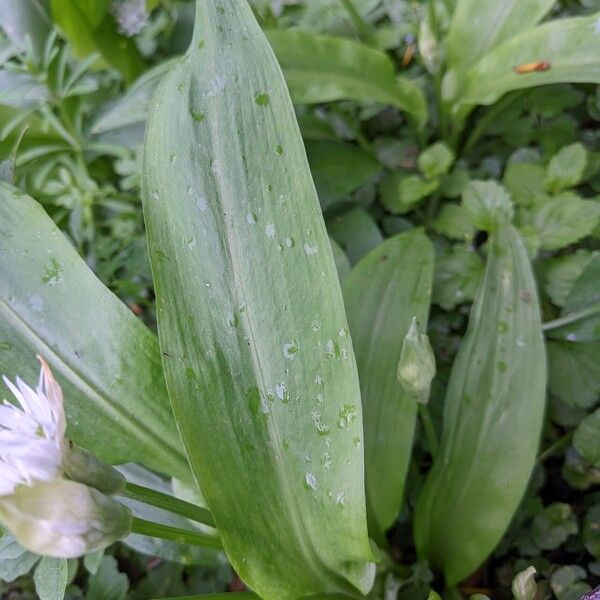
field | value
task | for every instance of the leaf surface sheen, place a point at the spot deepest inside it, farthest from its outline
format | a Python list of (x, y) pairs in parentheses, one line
[(258, 360)]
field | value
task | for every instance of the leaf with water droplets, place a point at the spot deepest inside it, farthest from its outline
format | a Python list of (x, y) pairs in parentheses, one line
[(115, 394), (268, 393)]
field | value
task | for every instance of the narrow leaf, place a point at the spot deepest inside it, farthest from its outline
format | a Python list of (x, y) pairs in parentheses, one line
[(320, 68), (51, 303), (493, 417), (479, 25), (257, 357), (569, 50), (383, 293)]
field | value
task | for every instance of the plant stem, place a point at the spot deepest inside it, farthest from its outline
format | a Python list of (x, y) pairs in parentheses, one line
[(359, 23), (574, 317), (429, 430), (166, 502), (174, 534), (560, 444)]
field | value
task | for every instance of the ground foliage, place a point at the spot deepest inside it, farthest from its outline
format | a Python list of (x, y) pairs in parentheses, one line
[(71, 129)]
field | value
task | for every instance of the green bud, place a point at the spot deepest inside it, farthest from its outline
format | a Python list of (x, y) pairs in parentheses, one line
[(524, 586), (82, 466), (63, 518), (417, 364)]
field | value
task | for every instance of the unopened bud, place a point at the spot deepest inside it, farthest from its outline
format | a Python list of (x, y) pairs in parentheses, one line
[(63, 518), (82, 466), (417, 364), (524, 586)]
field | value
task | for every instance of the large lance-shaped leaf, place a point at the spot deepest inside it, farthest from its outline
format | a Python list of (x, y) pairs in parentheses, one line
[(479, 25), (386, 289), (320, 68), (106, 360), (493, 417), (569, 50), (257, 356)]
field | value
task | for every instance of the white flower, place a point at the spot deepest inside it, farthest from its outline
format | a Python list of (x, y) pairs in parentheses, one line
[(32, 433)]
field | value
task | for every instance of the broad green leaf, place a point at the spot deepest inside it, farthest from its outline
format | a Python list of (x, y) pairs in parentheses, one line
[(384, 292), (526, 182), (257, 357), (566, 168), (96, 31), (320, 68), (569, 47), (115, 396), (573, 373), (564, 219), (51, 577), (561, 273), (457, 276), (581, 312), (477, 26), (453, 222), (338, 169), (107, 583), (586, 439), (400, 193), (356, 232), (490, 436), (436, 160), (488, 204)]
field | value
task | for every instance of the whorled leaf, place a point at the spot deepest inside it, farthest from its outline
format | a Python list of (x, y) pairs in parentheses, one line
[(257, 356)]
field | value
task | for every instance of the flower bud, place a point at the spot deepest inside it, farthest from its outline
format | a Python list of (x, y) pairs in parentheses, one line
[(82, 466), (524, 586), (63, 518), (417, 364)]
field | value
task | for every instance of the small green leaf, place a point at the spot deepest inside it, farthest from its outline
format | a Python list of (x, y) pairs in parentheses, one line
[(591, 531), (583, 301), (14, 559), (338, 169), (453, 222), (51, 577), (568, 582), (564, 219), (526, 182), (573, 374), (586, 439), (457, 277), (488, 204), (553, 526), (356, 232), (92, 561), (400, 193), (107, 583), (560, 274), (436, 160), (566, 168)]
